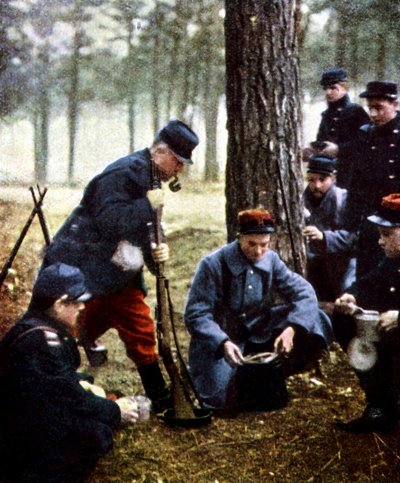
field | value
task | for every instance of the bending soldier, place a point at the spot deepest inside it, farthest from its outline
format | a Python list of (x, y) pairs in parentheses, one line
[(107, 237)]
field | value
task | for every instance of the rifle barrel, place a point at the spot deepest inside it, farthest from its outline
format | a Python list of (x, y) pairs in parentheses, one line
[(21, 237)]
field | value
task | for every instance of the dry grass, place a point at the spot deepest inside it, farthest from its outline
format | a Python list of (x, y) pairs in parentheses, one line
[(296, 444)]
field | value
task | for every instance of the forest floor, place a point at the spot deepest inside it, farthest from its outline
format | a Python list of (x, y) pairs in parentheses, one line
[(298, 443)]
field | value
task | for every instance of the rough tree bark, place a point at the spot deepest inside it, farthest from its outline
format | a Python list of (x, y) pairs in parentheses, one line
[(263, 108)]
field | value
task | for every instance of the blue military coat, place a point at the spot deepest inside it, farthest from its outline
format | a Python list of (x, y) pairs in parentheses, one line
[(114, 207), (228, 288), (46, 418), (331, 265)]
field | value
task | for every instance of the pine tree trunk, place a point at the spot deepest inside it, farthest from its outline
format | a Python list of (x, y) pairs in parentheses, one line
[(263, 108)]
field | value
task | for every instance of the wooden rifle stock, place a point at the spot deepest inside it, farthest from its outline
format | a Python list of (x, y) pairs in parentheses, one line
[(180, 384)]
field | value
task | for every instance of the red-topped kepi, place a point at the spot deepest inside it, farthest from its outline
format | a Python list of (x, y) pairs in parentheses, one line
[(389, 212), (256, 221)]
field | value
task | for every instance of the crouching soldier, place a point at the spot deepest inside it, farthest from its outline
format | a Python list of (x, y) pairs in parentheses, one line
[(331, 266), (375, 354), (53, 430), (230, 313)]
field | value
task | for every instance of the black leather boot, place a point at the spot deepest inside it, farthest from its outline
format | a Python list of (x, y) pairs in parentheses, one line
[(155, 387), (372, 419)]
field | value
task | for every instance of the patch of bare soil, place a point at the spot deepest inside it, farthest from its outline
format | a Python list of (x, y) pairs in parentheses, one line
[(298, 443)]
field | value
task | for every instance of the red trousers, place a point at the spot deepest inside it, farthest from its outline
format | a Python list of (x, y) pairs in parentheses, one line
[(127, 312)]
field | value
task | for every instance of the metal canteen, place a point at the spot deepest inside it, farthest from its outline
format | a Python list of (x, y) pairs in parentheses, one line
[(362, 351), (367, 325)]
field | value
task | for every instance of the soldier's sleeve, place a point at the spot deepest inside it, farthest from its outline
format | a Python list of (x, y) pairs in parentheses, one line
[(47, 375)]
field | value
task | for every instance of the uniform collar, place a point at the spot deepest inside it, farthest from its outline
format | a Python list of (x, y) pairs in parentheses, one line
[(238, 263), (341, 103), (391, 127), (44, 319)]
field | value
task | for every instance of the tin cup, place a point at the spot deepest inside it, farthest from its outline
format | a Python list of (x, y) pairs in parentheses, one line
[(367, 325)]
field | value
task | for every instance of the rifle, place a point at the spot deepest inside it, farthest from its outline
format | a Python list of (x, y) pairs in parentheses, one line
[(22, 235), (183, 393)]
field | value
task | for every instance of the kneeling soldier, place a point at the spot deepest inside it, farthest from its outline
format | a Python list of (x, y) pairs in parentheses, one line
[(230, 313), (53, 430), (379, 291)]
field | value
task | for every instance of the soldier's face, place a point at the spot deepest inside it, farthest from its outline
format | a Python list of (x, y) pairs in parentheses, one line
[(389, 241), (254, 246), (67, 312), (334, 92), (319, 184), (167, 163), (381, 111)]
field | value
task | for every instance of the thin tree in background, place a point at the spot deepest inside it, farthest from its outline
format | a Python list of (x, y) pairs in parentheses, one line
[(263, 165), (127, 16)]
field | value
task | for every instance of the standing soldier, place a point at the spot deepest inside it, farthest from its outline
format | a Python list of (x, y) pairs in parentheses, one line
[(107, 236), (331, 268), (376, 170), (340, 122)]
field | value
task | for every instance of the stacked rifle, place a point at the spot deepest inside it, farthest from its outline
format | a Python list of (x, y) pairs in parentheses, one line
[(37, 210)]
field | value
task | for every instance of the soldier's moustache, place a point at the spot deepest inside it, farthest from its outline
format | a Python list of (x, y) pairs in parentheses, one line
[(174, 185)]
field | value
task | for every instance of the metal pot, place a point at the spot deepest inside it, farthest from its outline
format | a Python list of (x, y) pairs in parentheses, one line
[(260, 383)]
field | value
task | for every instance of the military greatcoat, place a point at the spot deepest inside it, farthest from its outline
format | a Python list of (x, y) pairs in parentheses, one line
[(331, 265), (114, 208), (231, 298), (380, 291), (49, 424), (340, 124), (376, 174)]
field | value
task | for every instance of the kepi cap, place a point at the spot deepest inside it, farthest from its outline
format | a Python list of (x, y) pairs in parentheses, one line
[(60, 279), (321, 165), (380, 89), (388, 213), (332, 75), (255, 221), (180, 138)]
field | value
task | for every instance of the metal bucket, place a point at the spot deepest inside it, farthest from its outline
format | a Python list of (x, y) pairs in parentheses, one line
[(260, 383)]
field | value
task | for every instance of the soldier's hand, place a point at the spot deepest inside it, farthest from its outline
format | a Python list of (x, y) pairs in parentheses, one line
[(389, 320), (331, 149), (233, 354), (284, 342), (160, 252), (156, 197), (129, 410), (313, 233), (345, 304)]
